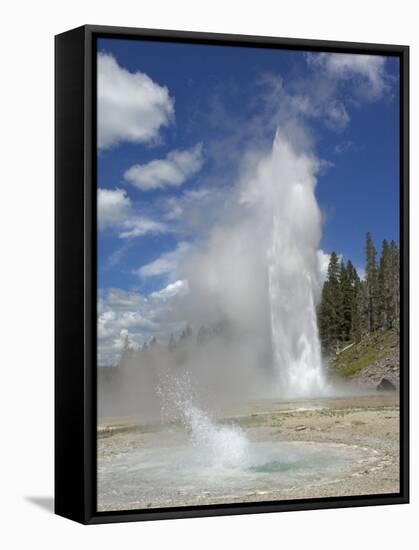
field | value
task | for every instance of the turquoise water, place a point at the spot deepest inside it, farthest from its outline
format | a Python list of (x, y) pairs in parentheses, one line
[(165, 469)]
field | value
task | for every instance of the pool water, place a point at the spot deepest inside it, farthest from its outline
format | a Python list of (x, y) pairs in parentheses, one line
[(141, 470)]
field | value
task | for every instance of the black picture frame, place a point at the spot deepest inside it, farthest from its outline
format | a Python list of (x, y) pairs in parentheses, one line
[(75, 273)]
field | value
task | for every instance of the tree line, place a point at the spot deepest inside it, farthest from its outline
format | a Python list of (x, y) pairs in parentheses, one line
[(219, 329), (351, 307)]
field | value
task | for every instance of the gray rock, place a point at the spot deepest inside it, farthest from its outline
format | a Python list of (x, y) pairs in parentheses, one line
[(387, 385)]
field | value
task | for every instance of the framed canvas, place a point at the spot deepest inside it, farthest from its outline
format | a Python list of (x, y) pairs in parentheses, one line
[(231, 274)]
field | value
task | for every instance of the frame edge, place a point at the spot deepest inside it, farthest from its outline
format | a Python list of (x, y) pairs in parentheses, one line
[(70, 396)]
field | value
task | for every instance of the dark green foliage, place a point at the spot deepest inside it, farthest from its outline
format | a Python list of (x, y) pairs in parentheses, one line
[(346, 303), (395, 284), (330, 305), (355, 291), (385, 313), (371, 281), (351, 308)]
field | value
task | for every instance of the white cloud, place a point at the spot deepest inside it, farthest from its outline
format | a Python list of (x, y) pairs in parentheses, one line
[(122, 316), (166, 264), (115, 210), (123, 340), (128, 316), (174, 170), (131, 107), (178, 288), (173, 208), (113, 206), (139, 226), (337, 114), (368, 70), (313, 98), (134, 319)]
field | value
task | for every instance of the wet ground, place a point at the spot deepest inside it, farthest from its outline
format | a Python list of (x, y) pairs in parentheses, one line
[(266, 450)]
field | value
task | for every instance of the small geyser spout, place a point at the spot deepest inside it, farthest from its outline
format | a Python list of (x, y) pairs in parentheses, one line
[(215, 444)]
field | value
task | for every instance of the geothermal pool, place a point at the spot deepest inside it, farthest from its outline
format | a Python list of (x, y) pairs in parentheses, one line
[(213, 463)]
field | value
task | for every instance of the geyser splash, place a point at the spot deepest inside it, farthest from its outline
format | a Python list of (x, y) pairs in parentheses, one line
[(216, 445), (293, 270)]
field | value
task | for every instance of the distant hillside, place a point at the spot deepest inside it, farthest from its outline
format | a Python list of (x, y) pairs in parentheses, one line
[(374, 361)]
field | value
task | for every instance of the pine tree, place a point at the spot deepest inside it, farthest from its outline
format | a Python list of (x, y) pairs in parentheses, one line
[(127, 352), (186, 333), (349, 307), (395, 284), (346, 304), (384, 296), (371, 274), (356, 300), (330, 304), (153, 343), (324, 318), (363, 308)]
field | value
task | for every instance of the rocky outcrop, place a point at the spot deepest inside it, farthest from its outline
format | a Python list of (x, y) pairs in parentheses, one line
[(387, 385), (374, 362), (384, 373)]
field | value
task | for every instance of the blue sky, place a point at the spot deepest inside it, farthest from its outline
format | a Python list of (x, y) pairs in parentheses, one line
[(172, 152)]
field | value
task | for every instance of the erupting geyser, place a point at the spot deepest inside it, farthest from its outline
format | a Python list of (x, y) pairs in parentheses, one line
[(253, 286), (280, 194), (293, 272)]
